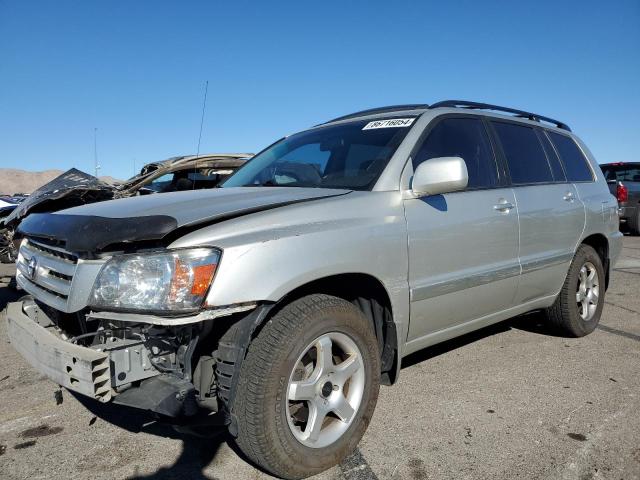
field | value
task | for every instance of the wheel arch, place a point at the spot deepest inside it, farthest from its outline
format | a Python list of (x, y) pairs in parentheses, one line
[(370, 295), (600, 244)]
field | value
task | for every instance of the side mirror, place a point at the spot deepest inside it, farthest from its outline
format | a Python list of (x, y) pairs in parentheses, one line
[(440, 175)]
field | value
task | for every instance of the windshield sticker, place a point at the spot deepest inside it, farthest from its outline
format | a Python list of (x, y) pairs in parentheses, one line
[(391, 123)]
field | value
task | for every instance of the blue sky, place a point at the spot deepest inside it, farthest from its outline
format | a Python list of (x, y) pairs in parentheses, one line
[(135, 70)]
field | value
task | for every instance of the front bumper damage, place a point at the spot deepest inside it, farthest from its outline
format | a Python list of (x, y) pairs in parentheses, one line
[(83, 370), (136, 372)]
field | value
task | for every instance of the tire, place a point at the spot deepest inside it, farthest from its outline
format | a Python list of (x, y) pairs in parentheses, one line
[(567, 315), (634, 222), (268, 432)]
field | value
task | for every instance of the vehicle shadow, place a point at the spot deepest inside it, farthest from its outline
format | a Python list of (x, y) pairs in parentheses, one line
[(8, 293), (533, 322), (199, 447)]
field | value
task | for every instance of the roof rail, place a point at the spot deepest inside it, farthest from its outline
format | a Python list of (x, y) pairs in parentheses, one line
[(389, 109), (486, 106)]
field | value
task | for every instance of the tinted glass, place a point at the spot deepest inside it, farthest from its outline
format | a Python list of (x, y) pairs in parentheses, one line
[(622, 173), (525, 156), (160, 183), (574, 162), (554, 161), (465, 138), (340, 156), (191, 179)]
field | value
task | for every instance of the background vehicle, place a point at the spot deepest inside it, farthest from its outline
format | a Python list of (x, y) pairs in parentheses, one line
[(7, 205), (74, 188), (624, 184), (284, 299)]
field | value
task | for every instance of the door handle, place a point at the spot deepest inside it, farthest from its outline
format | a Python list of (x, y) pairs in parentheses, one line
[(504, 207), (568, 197)]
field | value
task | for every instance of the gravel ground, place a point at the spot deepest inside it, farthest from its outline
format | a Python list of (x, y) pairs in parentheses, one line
[(510, 401)]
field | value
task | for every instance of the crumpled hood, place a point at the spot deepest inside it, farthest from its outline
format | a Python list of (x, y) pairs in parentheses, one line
[(90, 228), (197, 206)]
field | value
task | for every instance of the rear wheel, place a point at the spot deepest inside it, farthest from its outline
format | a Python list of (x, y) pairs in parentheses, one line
[(308, 387), (576, 312)]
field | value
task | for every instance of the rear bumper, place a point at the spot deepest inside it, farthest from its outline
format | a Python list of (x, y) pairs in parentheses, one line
[(77, 368), (627, 212)]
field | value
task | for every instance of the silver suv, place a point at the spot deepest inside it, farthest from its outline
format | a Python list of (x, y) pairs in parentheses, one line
[(284, 299)]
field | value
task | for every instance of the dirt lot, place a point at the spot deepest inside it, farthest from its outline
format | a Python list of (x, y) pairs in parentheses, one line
[(510, 401)]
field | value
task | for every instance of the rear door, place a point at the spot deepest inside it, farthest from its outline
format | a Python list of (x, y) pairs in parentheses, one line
[(551, 213), (463, 246)]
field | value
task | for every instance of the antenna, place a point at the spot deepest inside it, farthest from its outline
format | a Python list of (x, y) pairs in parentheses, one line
[(204, 106), (95, 151)]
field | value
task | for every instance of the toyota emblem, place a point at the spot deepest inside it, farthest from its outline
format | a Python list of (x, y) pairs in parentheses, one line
[(32, 268)]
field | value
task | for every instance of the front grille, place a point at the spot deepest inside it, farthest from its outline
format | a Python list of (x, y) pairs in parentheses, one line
[(48, 270), (53, 251)]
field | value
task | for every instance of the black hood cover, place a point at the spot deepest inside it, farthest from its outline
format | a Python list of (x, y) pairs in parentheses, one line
[(86, 234)]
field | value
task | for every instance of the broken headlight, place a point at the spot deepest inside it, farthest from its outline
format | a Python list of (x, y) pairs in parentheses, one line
[(171, 281)]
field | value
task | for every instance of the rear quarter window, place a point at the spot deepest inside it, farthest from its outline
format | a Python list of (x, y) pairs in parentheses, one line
[(554, 160), (525, 156), (575, 163)]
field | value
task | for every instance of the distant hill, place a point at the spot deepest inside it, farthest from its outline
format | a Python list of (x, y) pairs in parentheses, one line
[(21, 181)]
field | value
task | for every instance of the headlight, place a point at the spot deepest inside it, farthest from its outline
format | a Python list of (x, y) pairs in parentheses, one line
[(168, 281)]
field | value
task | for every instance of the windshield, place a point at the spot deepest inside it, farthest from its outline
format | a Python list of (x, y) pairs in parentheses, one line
[(351, 156)]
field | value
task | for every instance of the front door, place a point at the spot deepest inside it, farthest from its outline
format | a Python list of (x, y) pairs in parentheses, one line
[(463, 246)]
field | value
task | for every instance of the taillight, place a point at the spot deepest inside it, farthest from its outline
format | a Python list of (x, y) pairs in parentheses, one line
[(622, 193)]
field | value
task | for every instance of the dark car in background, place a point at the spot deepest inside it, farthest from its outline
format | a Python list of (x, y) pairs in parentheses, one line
[(624, 182), (8, 203), (74, 188)]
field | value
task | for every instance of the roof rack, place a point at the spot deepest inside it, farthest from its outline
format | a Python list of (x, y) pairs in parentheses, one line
[(371, 111), (486, 106)]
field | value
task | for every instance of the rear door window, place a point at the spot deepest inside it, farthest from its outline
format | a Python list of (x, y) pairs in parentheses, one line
[(575, 164), (466, 138), (524, 153)]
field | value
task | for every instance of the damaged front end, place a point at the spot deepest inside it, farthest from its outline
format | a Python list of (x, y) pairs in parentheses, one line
[(68, 328), (135, 364), (131, 329)]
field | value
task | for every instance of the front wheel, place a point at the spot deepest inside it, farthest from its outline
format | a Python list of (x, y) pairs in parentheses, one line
[(576, 312), (308, 387)]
